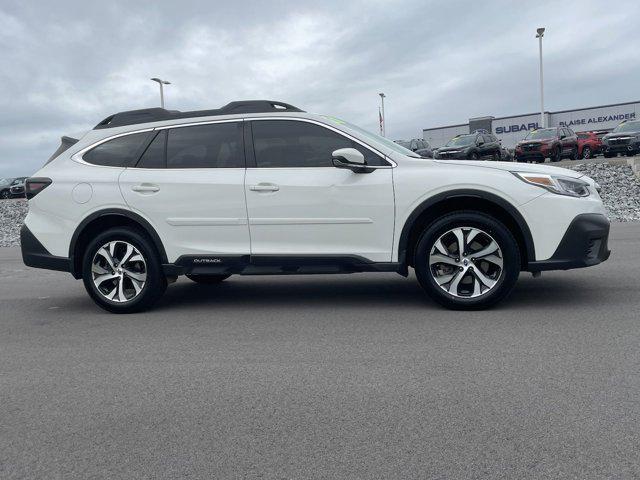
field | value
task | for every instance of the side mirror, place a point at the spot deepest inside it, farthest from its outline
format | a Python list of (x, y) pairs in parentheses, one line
[(563, 136), (351, 159)]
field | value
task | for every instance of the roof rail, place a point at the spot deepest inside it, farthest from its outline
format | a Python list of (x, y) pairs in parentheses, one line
[(146, 115)]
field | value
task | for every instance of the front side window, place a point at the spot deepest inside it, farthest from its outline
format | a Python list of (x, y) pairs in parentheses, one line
[(294, 144), (217, 145), (118, 152)]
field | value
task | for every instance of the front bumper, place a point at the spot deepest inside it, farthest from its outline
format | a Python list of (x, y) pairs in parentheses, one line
[(621, 148), (584, 244), (450, 156)]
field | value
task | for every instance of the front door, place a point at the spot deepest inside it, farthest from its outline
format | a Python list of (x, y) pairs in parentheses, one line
[(299, 204), (189, 184)]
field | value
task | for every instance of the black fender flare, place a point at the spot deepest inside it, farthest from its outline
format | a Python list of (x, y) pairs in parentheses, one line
[(405, 235), (146, 226)]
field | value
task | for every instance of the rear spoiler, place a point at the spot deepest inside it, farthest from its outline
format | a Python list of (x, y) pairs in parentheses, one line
[(65, 143)]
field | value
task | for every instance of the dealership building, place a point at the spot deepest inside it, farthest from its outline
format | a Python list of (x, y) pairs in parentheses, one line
[(514, 128)]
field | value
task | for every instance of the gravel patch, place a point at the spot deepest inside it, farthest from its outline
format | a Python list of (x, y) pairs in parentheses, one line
[(620, 189), (12, 213), (620, 193)]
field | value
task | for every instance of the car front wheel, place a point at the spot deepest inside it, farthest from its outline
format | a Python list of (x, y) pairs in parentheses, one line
[(122, 271), (467, 260), (586, 153)]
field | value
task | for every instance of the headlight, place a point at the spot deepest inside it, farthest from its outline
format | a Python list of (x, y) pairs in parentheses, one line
[(556, 184)]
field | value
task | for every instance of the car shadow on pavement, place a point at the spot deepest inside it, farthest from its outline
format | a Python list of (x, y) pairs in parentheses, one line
[(366, 293)]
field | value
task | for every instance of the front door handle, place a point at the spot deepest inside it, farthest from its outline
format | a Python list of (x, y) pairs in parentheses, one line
[(146, 188), (264, 187)]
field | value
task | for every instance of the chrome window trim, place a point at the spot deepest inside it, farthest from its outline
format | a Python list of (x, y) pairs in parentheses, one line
[(78, 156)]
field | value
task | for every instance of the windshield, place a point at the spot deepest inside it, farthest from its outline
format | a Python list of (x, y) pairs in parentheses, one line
[(372, 136), (4, 181), (541, 133), (462, 141), (628, 127)]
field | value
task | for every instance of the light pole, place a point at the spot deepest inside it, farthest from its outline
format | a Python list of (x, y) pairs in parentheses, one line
[(383, 127), (161, 83), (539, 37)]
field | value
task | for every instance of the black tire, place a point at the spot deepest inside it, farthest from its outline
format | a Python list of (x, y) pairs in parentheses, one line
[(155, 283), (586, 152), (5, 194), (474, 156), (556, 156), (503, 237), (208, 279), (495, 156), (575, 154)]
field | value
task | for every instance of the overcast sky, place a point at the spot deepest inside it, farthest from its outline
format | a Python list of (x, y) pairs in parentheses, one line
[(67, 65)]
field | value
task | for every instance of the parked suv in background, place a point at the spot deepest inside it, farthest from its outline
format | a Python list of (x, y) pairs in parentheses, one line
[(472, 146), (553, 143), (5, 185), (262, 187), (421, 147), (589, 144), (625, 139), (17, 187), (11, 187)]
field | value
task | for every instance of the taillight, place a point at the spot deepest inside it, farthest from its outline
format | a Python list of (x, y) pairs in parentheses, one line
[(33, 186)]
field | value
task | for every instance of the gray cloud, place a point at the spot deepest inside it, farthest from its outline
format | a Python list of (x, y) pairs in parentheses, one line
[(67, 65)]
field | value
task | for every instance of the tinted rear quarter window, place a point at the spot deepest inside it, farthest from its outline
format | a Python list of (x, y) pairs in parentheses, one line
[(118, 152), (294, 144), (216, 145)]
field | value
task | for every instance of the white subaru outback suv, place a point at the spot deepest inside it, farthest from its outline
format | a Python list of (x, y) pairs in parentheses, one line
[(261, 187)]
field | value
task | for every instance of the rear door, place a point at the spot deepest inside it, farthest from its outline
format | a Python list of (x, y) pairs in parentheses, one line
[(189, 183), (299, 204)]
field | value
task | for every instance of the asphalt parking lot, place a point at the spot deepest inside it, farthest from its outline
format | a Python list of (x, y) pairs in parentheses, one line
[(357, 376)]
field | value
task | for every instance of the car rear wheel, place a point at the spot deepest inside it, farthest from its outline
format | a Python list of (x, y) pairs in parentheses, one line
[(122, 271), (495, 156), (474, 156), (4, 194), (586, 152), (467, 260), (556, 156), (207, 279)]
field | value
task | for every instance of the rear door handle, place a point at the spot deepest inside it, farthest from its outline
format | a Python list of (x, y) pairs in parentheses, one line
[(146, 188), (264, 187)]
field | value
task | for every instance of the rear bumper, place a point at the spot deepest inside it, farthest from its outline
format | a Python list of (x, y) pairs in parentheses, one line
[(35, 255), (584, 244)]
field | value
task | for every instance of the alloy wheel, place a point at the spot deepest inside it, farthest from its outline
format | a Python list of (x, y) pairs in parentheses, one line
[(466, 262), (119, 271), (586, 152)]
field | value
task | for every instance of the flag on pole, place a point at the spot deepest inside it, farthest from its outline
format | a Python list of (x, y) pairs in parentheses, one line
[(381, 121)]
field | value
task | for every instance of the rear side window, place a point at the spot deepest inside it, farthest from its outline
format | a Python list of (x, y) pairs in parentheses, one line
[(119, 152), (154, 155), (217, 145), (583, 136), (294, 144)]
